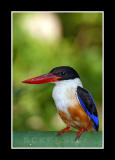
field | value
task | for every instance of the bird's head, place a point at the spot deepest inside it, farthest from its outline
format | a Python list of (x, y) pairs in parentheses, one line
[(55, 75)]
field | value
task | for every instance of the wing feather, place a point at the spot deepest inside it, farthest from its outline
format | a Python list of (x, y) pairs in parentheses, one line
[(87, 102)]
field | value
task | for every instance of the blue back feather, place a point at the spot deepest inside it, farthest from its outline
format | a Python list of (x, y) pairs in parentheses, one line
[(92, 116)]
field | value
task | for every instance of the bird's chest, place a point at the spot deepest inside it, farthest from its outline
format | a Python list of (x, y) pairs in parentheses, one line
[(68, 106), (63, 97)]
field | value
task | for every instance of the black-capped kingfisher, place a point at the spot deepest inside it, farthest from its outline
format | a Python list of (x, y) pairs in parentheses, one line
[(74, 103)]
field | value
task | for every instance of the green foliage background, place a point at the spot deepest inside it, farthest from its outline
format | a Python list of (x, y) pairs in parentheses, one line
[(79, 47)]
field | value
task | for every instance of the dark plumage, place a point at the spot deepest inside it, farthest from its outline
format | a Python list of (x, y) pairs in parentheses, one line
[(88, 104), (65, 72)]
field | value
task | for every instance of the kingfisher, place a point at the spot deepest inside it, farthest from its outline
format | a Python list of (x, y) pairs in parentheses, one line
[(74, 103)]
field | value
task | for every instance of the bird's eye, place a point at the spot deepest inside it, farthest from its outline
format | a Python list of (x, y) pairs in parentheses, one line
[(62, 73)]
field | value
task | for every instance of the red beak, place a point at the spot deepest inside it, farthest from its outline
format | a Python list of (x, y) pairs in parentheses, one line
[(42, 79)]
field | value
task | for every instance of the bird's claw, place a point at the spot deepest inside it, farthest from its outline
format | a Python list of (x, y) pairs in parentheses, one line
[(64, 130)]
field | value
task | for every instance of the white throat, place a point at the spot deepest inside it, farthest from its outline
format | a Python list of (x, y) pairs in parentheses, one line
[(64, 93)]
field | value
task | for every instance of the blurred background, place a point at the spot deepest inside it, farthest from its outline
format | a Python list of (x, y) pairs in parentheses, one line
[(42, 41)]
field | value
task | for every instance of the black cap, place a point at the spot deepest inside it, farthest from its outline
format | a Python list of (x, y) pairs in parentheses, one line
[(65, 72)]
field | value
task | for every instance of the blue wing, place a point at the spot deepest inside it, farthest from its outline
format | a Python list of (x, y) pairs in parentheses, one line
[(87, 102)]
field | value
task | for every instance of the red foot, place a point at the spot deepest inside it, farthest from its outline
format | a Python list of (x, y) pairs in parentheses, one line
[(81, 131), (64, 130)]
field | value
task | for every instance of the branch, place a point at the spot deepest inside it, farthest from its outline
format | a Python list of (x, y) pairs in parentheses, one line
[(51, 139)]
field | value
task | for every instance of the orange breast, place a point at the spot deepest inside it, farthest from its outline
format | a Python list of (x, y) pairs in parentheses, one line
[(78, 117)]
